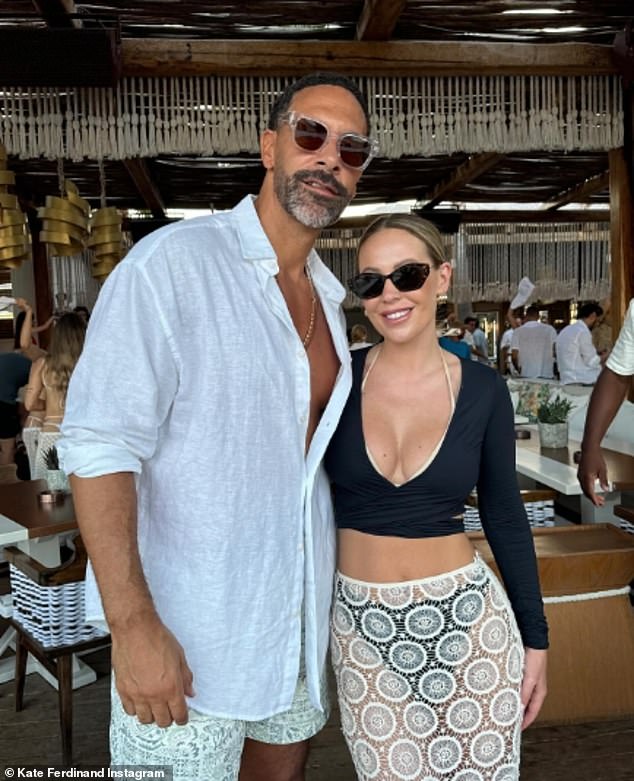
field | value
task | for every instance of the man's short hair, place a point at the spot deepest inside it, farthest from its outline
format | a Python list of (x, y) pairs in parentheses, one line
[(532, 311), (471, 319), (283, 101), (589, 309)]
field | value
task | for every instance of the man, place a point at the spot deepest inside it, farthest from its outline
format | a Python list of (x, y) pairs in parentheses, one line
[(577, 359), (607, 396), (203, 444), (506, 364), (480, 348), (532, 347), (451, 340)]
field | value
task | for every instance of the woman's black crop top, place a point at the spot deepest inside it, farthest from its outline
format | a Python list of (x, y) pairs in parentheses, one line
[(478, 450)]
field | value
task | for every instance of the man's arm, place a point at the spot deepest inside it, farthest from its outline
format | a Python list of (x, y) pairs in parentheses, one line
[(515, 357), (606, 398), (151, 672)]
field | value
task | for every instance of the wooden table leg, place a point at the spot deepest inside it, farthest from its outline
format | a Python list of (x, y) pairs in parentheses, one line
[(21, 656), (65, 686)]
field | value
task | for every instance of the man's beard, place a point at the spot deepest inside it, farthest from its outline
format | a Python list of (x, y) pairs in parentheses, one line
[(310, 208)]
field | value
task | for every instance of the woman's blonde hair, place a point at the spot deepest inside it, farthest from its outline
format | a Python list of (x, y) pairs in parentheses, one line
[(423, 230), (67, 342)]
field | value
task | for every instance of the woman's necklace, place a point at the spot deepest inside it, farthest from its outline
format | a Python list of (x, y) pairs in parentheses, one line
[(313, 310)]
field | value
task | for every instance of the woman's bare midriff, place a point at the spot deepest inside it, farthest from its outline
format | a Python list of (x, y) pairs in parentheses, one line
[(378, 559)]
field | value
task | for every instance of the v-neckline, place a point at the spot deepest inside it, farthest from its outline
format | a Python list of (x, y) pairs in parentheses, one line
[(432, 456)]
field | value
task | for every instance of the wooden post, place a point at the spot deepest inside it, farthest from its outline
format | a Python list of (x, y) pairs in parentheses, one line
[(621, 250), (43, 299)]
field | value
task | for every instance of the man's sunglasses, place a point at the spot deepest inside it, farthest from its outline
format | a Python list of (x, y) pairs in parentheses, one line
[(311, 135), (370, 284)]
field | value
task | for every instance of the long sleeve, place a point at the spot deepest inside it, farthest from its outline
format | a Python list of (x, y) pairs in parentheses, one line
[(505, 523)]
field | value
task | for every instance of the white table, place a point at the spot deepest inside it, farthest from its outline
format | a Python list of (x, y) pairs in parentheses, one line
[(546, 468)]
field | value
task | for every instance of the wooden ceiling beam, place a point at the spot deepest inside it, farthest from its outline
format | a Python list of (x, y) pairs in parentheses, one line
[(378, 19), (469, 171), (57, 13), (140, 175), (164, 57), (581, 192), (497, 215)]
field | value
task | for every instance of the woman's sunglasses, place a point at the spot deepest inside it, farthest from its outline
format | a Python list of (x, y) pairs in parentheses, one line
[(311, 135), (370, 284)]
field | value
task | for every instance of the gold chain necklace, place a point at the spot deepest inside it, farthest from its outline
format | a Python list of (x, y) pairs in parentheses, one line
[(313, 310)]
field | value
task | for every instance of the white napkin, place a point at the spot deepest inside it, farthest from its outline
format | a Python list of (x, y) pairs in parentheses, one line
[(6, 302), (524, 291)]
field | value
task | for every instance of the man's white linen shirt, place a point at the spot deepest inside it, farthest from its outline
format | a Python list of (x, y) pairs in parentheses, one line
[(193, 377), (577, 358), (621, 359), (534, 342), (481, 344)]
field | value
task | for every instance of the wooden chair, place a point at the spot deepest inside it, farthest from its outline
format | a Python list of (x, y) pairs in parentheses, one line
[(540, 509), (33, 636), (626, 514)]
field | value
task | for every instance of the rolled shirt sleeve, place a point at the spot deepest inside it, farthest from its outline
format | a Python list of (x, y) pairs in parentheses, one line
[(621, 359), (122, 387)]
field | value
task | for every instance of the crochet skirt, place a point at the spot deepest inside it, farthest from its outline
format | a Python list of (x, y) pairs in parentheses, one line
[(428, 677)]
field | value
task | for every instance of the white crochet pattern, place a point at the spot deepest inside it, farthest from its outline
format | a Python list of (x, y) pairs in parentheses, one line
[(428, 678)]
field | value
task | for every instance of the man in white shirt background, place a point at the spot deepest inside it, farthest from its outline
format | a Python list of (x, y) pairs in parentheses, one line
[(195, 457), (479, 344), (506, 364), (532, 347), (609, 392), (577, 359)]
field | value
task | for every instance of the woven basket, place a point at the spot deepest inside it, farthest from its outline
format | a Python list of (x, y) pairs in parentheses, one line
[(53, 615)]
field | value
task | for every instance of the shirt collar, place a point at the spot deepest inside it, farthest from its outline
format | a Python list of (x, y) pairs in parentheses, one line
[(255, 246)]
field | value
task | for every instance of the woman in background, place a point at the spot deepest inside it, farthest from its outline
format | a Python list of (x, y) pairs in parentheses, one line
[(48, 384), (434, 677)]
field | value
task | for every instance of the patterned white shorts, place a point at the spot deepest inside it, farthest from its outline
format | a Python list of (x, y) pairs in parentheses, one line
[(208, 747), (428, 677)]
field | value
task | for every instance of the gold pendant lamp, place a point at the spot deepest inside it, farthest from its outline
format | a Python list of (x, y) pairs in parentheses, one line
[(106, 236), (65, 220), (15, 240)]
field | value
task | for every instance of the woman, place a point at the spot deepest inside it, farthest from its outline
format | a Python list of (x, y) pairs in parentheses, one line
[(433, 676), (48, 383)]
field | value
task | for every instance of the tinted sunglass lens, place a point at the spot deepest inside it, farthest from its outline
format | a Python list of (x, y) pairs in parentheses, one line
[(354, 150), (410, 277), (367, 285), (310, 135)]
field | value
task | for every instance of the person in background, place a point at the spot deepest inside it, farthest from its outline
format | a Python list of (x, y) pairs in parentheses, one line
[(451, 340), (83, 312), (607, 396), (25, 329), (577, 359), (359, 337), (434, 677), (14, 373), (532, 347), (212, 538), (48, 384), (480, 351), (506, 364)]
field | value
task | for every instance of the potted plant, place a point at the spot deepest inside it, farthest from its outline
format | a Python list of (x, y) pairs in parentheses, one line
[(56, 478), (552, 421)]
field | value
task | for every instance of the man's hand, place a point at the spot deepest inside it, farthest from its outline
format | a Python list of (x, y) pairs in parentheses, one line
[(592, 468), (151, 672), (534, 686)]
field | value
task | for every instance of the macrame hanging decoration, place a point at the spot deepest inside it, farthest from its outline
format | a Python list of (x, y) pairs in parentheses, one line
[(224, 115), (64, 219), (106, 237), (15, 241)]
